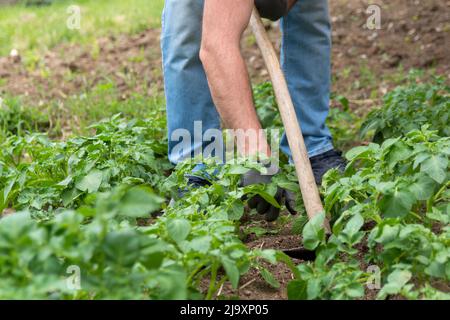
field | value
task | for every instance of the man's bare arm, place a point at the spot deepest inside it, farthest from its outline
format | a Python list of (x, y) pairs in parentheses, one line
[(224, 21)]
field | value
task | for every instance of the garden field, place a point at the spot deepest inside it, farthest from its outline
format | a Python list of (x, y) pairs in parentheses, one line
[(85, 183)]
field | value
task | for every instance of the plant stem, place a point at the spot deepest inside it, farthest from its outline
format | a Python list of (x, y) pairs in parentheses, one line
[(212, 282), (193, 273)]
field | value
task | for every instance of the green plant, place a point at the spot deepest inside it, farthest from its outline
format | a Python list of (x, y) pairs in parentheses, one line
[(266, 106), (97, 202), (76, 113), (343, 123), (100, 242), (16, 119), (204, 224), (167, 257), (197, 236), (402, 187), (410, 107), (41, 175)]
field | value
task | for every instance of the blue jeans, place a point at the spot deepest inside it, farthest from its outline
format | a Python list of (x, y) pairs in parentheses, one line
[(305, 58)]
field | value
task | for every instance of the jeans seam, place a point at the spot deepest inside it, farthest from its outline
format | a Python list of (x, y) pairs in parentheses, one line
[(321, 150), (285, 43)]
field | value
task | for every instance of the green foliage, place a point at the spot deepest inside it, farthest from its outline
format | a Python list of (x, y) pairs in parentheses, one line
[(342, 122), (396, 176), (402, 187), (98, 200), (410, 107), (203, 223), (42, 175), (266, 106), (102, 101), (16, 119), (36, 257), (167, 258)]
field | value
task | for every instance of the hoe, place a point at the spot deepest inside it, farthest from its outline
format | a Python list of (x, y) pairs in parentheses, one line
[(308, 187)]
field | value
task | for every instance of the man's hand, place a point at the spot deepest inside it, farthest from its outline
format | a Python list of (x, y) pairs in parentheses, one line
[(262, 206)]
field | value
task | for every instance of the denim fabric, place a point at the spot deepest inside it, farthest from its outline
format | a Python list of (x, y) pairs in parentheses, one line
[(305, 58)]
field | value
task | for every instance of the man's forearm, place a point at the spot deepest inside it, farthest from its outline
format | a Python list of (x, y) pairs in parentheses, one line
[(223, 25), (230, 87)]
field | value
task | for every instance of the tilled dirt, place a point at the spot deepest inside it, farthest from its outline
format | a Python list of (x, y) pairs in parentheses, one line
[(366, 63), (132, 63), (252, 285)]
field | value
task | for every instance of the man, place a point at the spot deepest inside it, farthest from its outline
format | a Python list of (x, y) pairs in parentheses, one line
[(206, 78)]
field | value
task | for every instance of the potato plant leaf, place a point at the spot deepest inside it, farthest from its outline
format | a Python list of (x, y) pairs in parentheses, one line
[(91, 182)]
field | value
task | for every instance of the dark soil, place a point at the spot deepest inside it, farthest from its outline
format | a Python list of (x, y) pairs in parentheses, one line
[(133, 63), (252, 285), (366, 63)]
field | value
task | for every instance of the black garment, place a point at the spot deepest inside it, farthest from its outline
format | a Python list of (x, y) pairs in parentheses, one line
[(323, 162), (272, 9)]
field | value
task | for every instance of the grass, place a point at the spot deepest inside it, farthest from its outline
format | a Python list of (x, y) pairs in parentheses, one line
[(75, 114), (103, 101), (36, 28)]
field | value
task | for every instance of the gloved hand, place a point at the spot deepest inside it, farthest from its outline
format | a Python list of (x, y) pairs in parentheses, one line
[(262, 206)]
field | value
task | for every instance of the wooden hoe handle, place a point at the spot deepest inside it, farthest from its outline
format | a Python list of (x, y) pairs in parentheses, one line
[(308, 187)]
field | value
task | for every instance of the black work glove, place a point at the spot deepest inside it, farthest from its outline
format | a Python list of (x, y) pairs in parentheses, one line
[(260, 204)]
